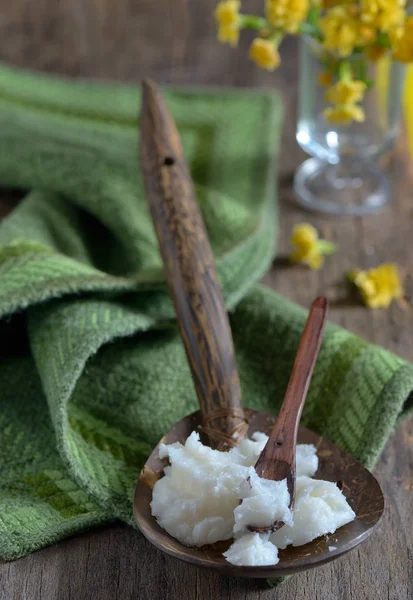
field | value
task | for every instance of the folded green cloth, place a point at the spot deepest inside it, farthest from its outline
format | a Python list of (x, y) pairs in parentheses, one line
[(92, 369)]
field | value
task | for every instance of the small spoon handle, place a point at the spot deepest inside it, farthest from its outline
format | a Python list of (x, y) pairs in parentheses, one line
[(190, 272), (277, 460)]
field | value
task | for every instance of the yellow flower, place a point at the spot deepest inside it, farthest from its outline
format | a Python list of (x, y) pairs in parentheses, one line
[(382, 15), (346, 92), (308, 248), (226, 13), (228, 35), (378, 286), (344, 114), (403, 50), (340, 29), (367, 34), (227, 17), (286, 14), (265, 54)]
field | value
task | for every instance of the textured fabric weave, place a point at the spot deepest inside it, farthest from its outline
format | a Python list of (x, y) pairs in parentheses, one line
[(92, 369)]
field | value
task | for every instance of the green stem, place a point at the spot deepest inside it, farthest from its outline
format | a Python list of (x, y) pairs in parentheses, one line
[(344, 71), (383, 41), (276, 37), (252, 22), (313, 15), (326, 247), (311, 30), (351, 275), (310, 27)]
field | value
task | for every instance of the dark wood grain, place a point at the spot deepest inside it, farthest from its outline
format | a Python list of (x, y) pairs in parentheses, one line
[(175, 43), (277, 460), (358, 485), (190, 272)]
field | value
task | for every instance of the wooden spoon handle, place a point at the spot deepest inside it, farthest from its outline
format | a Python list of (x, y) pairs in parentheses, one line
[(281, 444), (190, 271)]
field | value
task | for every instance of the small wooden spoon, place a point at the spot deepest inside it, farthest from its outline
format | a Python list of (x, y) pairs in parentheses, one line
[(205, 330), (277, 460)]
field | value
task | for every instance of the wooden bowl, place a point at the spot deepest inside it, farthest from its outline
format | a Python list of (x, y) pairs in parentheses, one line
[(361, 489)]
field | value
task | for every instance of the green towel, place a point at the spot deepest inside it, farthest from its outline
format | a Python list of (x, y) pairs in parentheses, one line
[(92, 369)]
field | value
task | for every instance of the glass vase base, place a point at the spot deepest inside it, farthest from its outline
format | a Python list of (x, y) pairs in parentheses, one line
[(360, 189)]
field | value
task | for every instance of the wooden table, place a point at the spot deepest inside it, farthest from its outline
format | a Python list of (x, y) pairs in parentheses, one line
[(174, 41)]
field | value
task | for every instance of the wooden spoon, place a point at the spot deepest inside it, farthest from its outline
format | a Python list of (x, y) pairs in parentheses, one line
[(190, 273), (205, 330), (277, 460)]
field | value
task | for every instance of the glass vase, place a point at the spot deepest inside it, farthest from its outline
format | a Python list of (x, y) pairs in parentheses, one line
[(344, 176)]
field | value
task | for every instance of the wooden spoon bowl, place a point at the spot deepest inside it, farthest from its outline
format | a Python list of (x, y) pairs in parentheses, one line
[(361, 489)]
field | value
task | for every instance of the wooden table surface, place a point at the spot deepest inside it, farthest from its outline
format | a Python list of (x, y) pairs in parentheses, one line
[(174, 41)]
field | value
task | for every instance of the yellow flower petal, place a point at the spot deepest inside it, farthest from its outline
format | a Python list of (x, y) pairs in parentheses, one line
[(346, 92), (226, 13), (227, 34), (367, 33), (403, 50), (304, 233), (379, 286), (340, 29), (365, 284), (382, 15), (344, 114), (286, 14), (264, 54), (315, 260), (227, 16), (307, 246)]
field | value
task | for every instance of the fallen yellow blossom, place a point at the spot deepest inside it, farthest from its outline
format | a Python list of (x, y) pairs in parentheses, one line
[(309, 249), (378, 286)]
